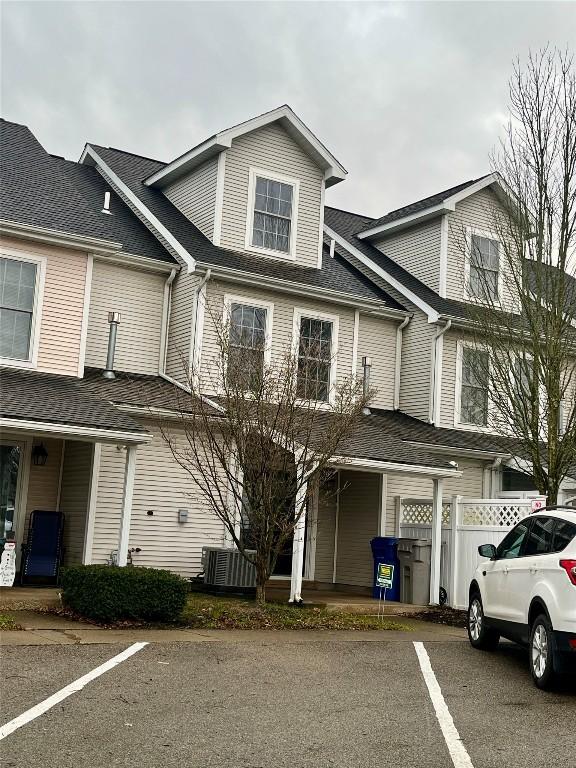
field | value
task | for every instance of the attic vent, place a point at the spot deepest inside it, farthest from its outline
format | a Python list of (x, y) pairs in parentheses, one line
[(106, 208)]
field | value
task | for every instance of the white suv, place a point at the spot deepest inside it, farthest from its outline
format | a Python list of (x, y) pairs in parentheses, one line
[(526, 592)]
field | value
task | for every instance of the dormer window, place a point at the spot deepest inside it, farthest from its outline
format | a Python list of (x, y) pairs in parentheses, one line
[(272, 214), (484, 268)]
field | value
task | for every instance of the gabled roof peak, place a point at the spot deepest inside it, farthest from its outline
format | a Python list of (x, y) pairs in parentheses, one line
[(334, 171)]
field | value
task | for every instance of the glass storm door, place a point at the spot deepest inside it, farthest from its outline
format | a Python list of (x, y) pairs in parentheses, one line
[(10, 458)]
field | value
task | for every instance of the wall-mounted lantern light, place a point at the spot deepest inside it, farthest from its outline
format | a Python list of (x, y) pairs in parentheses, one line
[(39, 455)]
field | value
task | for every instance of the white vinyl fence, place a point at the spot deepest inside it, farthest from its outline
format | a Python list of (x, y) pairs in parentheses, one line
[(466, 523)]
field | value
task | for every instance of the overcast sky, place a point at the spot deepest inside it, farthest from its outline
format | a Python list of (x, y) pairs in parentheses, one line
[(410, 96)]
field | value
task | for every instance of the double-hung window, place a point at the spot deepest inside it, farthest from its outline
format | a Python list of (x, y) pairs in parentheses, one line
[(18, 289), (247, 345), (272, 214), (484, 268), (474, 386), (315, 359)]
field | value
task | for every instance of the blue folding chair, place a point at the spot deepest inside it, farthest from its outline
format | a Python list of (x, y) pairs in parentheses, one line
[(42, 553)]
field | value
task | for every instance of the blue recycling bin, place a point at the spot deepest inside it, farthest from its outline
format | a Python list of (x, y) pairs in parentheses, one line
[(384, 551)]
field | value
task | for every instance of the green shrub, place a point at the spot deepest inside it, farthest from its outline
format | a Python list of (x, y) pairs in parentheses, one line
[(109, 593)]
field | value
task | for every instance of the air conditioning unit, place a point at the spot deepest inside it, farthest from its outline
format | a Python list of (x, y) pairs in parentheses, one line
[(225, 567)]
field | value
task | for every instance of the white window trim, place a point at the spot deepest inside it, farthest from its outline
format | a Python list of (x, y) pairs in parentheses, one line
[(248, 301), (295, 184), (470, 231), (299, 313), (40, 262), (460, 345), (541, 387)]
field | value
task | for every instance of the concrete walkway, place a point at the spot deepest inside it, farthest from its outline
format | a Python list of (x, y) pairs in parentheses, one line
[(45, 629)]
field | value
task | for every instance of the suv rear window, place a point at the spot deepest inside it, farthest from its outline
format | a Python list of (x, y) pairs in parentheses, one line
[(563, 535)]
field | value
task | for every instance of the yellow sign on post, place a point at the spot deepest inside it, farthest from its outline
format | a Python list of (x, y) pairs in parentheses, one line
[(384, 576)]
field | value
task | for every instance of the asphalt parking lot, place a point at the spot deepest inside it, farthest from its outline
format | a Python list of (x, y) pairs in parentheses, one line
[(275, 703)]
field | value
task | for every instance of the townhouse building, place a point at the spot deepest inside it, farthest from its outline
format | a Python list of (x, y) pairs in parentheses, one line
[(237, 229)]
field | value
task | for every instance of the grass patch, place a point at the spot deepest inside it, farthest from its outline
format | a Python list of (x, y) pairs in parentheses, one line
[(7, 623), (215, 612)]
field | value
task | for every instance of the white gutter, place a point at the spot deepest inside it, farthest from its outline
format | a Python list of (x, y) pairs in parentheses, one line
[(436, 373), (398, 361), (372, 465), (135, 201), (79, 432), (166, 310), (56, 237)]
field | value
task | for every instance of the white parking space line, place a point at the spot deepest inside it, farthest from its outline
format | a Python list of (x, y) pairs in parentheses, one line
[(458, 753), (63, 693)]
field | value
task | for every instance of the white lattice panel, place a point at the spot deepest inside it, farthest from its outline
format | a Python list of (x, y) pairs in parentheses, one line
[(419, 512), (504, 514)]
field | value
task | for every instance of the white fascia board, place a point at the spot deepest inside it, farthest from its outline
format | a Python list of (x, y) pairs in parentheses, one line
[(371, 465), (80, 433), (138, 262), (284, 286), (405, 221), (93, 157), (56, 237), (334, 171), (432, 314), (487, 181)]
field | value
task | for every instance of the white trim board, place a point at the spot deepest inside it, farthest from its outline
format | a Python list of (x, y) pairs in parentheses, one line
[(432, 314), (81, 433), (85, 314), (333, 170)]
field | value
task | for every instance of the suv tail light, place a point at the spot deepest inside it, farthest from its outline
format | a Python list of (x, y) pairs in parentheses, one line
[(570, 568)]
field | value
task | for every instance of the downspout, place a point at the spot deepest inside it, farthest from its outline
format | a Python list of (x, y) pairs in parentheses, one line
[(436, 383), (492, 469), (194, 326), (166, 310), (398, 361)]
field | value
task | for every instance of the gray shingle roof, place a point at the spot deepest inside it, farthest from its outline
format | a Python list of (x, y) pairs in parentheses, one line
[(336, 274), (52, 399), (421, 205), (41, 190), (348, 224)]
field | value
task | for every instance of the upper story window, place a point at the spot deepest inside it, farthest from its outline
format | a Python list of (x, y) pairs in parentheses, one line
[(484, 270), (474, 386), (247, 344), (315, 358), (272, 215), (19, 310)]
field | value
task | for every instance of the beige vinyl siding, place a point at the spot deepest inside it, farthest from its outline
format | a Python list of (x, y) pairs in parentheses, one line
[(377, 339), (62, 305), (272, 149), (44, 482), (415, 369), (139, 297), (74, 493), (357, 524), (163, 487), (180, 325), (417, 250), (325, 531), (195, 196), (449, 368), (282, 324), (478, 212)]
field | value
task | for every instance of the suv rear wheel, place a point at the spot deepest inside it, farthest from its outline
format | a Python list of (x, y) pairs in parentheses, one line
[(542, 652), (479, 633)]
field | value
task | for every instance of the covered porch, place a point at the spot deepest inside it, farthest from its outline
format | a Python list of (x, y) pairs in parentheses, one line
[(52, 434)]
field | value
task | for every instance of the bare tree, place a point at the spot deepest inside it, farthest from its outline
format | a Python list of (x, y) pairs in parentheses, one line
[(524, 319), (255, 448)]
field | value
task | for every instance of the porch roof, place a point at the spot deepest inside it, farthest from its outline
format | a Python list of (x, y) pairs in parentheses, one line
[(62, 404)]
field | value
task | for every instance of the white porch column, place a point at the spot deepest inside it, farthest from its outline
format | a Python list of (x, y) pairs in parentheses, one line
[(436, 541), (383, 500), (298, 546), (128, 493)]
